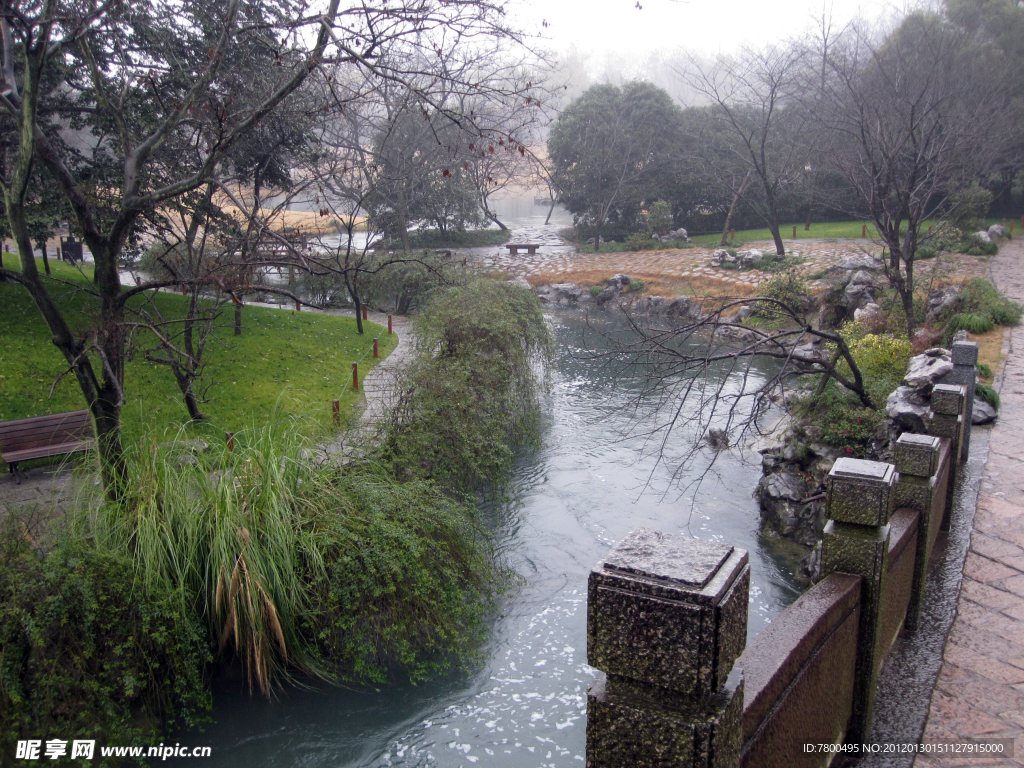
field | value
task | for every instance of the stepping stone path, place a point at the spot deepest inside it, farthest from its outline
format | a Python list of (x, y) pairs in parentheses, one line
[(557, 261)]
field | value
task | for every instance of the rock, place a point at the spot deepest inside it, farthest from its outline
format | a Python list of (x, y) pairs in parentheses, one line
[(719, 255), (982, 236), (908, 408), (620, 281), (732, 332), (650, 305), (860, 290), (522, 282), (855, 263), (810, 352), (744, 312), (813, 432), (869, 313), (605, 296), (996, 230), (810, 566), (717, 439), (983, 413), (679, 234), (925, 370), (683, 307), (745, 258), (940, 300), (780, 496), (562, 293)]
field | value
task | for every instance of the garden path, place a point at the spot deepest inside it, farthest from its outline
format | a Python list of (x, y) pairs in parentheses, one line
[(980, 688)]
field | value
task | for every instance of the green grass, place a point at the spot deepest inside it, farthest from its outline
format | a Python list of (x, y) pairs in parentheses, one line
[(294, 362), (839, 230)]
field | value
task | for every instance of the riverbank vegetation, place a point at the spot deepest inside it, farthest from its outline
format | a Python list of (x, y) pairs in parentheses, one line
[(275, 558)]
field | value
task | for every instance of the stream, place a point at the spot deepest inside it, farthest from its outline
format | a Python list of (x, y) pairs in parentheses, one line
[(523, 705)]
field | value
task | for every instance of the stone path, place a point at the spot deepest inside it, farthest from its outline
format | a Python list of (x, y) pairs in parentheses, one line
[(980, 689), (555, 262)]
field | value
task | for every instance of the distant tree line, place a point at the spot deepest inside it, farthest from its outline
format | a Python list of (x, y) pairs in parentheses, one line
[(894, 128)]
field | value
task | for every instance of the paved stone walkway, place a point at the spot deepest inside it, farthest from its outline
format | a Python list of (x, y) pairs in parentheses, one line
[(557, 262), (980, 689)]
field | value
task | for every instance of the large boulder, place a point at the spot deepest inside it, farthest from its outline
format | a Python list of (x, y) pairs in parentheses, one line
[(860, 290), (745, 258), (650, 305), (982, 236), (983, 413), (677, 235), (720, 255), (869, 313), (908, 408), (684, 308), (781, 496), (851, 264), (563, 293), (619, 281), (926, 370), (996, 231), (940, 300)]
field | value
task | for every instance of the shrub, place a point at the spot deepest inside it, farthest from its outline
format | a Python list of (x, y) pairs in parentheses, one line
[(471, 399), (636, 285), (985, 371), (845, 423), (979, 297), (595, 290), (882, 361), (89, 653), (972, 322), (788, 289), (987, 393), (659, 218), (728, 265), (975, 247), (925, 252)]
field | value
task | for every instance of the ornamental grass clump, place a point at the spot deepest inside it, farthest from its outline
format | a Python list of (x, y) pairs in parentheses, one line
[(300, 567)]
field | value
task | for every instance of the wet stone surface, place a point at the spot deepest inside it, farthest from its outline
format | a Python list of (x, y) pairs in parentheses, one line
[(661, 556)]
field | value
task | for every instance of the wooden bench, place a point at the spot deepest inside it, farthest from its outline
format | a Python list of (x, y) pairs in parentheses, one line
[(531, 248), (43, 436)]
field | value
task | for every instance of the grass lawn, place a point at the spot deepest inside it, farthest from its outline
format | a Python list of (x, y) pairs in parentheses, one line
[(294, 362)]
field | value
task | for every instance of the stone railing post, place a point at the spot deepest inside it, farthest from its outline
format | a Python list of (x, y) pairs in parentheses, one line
[(965, 373), (917, 461), (946, 419), (856, 541), (666, 621)]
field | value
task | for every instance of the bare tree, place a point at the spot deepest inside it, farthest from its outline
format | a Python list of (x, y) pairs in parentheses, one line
[(156, 95), (912, 119), (756, 117)]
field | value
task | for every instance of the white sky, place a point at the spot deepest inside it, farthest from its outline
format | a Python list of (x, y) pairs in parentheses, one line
[(602, 27)]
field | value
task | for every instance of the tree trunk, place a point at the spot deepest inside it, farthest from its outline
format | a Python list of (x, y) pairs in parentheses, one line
[(403, 221), (46, 261), (493, 217), (732, 209), (550, 211), (780, 248)]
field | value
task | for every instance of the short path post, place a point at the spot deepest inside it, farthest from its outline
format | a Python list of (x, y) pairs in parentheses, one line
[(856, 541), (366, 313), (375, 348), (946, 419), (917, 460), (666, 621), (230, 438), (389, 325), (965, 373), (336, 411), (355, 375)]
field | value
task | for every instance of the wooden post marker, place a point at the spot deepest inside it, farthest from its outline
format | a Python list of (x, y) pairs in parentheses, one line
[(336, 411), (794, 231), (864, 230), (389, 324), (298, 306), (230, 437), (366, 315), (355, 375), (375, 348), (732, 235)]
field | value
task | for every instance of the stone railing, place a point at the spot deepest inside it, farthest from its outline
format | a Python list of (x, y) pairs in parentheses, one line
[(667, 620)]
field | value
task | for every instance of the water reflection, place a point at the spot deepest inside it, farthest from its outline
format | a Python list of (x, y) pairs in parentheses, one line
[(525, 705)]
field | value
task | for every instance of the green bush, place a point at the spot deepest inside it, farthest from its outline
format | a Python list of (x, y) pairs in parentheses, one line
[(975, 247), (595, 290), (86, 652), (789, 289), (984, 370), (979, 296), (773, 262), (925, 252), (728, 265), (636, 285), (972, 322), (987, 393), (846, 424), (882, 360), (470, 400)]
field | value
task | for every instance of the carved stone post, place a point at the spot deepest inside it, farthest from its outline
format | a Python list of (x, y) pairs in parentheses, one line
[(946, 419), (917, 460), (856, 541), (666, 620), (964, 373)]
